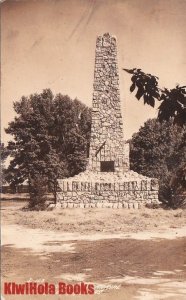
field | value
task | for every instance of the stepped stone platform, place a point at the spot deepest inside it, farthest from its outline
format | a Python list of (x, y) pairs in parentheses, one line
[(107, 181)]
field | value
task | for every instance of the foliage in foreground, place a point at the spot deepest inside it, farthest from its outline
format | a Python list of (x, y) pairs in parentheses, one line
[(172, 102)]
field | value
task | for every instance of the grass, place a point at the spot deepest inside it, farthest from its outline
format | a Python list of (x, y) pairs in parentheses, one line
[(92, 220)]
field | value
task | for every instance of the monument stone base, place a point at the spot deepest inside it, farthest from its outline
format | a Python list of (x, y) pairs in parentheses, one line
[(89, 189)]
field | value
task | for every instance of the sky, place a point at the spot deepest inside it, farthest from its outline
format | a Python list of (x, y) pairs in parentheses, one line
[(51, 44)]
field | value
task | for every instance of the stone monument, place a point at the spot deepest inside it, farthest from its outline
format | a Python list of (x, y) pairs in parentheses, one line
[(107, 181)]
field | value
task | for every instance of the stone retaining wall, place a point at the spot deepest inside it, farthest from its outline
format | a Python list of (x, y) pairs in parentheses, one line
[(131, 194)]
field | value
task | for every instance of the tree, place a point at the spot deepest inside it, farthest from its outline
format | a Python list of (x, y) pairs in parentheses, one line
[(4, 154), (47, 132), (172, 108), (157, 151)]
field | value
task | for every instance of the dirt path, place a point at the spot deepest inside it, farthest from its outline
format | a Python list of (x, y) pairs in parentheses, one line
[(144, 265)]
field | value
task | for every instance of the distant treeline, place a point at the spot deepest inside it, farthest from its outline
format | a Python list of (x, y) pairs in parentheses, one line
[(20, 189), (7, 189)]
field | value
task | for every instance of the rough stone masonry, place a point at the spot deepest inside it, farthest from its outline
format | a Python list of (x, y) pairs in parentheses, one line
[(107, 181)]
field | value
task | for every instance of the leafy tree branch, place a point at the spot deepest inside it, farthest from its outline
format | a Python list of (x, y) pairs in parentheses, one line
[(172, 102)]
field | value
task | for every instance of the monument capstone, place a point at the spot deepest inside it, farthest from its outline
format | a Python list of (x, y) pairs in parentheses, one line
[(107, 180)]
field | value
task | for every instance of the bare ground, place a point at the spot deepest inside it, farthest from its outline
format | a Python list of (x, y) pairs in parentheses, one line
[(127, 254)]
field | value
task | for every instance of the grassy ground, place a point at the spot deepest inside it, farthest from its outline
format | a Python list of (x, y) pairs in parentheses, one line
[(150, 269), (94, 220)]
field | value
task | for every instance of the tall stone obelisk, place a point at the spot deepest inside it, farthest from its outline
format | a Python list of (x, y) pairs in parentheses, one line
[(107, 181), (106, 152)]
